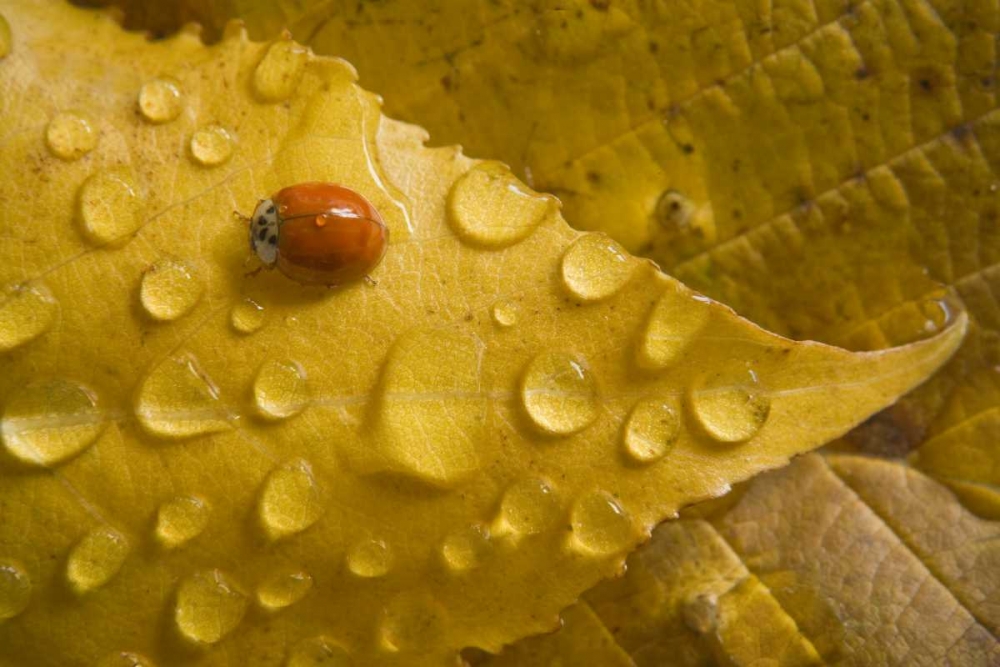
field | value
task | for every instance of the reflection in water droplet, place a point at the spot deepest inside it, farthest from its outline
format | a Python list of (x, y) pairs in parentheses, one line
[(49, 422), (731, 407), (178, 400), (69, 136), (169, 290), (280, 390), (529, 506), (488, 206), (126, 659), (505, 313), (6, 39), (247, 316), (209, 606), (160, 100), (278, 74), (290, 501), (180, 520), (96, 559), (283, 589), (319, 652), (651, 430), (109, 207), (466, 548), (600, 525), (595, 268), (559, 393), (26, 312), (938, 315), (412, 621), (369, 558), (676, 320), (15, 589), (211, 145)]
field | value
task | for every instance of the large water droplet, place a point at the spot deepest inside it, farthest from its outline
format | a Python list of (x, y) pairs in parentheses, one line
[(319, 652), (209, 606), (369, 558), (600, 525), (488, 206), (70, 137), (178, 400), (559, 393), (278, 74), (651, 430), (412, 621), (26, 312), (247, 316), (96, 559), (109, 207), (280, 390), (15, 589), (676, 320), (126, 659), (466, 548), (180, 520), (505, 313), (595, 268), (283, 589), (169, 290), (730, 406), (6, 38), (160, 100), (290, 501), (212, 145), (49, 422), (529, 506)]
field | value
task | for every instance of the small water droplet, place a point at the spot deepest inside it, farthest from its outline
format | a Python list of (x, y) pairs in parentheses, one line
[(126, 659), (559, 393), (160, 100), (15, 589), (290, 501), (673, 324), (600, 525), (6, 38), (505, 313), (209, 606), (731, 407), (247, 316), (278, 74), (466, 548), (169, 289), (674, 211), (651, 430), (280, 389), (701, 613), (212, 145), (488, 206), (529, 506), (26, 312), (49, 422), (412, 621), (369, 558), (178, 400), (283, 589), (319, 652), (109, 207), (70, 136), (180, 520), (96, 559), (595, 268), (938, 315)]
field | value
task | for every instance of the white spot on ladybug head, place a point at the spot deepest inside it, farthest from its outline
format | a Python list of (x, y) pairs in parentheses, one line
[(264, 232)]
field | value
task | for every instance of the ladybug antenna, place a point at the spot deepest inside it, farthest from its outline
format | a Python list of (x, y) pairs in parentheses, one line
[(239, 217)]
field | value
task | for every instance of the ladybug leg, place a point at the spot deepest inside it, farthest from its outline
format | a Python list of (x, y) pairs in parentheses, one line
[(371, 281), (251, 274), (239, 217)]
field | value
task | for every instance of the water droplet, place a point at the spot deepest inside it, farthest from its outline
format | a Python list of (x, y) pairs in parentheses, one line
[(280, 389), (247, 316), (466, 548), (283, 589), (49, 422), (412, 621), (15, 589), (109, 207), (126, 659), (6, 39), (674, 211), (595, 268), (488, 206), (731, 407), (505, 313), (701, 613), (651, 430), (676, 320), (211, 145), (178, 400), (559, 393), (369, 558), (96, 559), (70, 137), (278, 74), (169, 290), (160, 100), (209, 606), (319, 652), (529, 506), (290, 501), (938, 315), (26, 312), (180, 520), (600, 525)]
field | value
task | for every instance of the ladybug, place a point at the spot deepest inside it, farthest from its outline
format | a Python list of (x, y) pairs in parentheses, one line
[(319, 234)]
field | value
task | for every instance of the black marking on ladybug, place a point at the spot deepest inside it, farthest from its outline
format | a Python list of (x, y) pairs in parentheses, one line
[(261, 221), (270, 209), (273, 240), (261, 234)]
